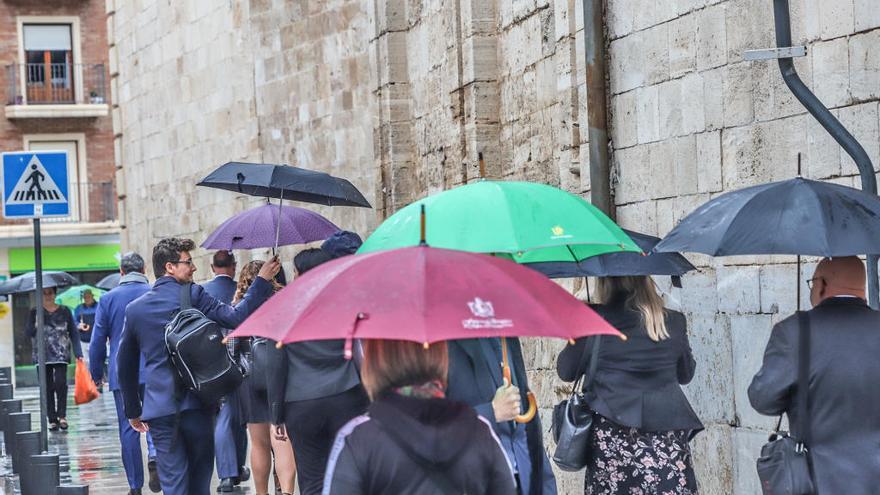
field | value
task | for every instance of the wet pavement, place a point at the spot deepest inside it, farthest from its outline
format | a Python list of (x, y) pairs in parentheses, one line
[(89, 450)]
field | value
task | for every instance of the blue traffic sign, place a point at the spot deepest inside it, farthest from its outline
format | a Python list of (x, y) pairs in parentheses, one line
[(35, 184)]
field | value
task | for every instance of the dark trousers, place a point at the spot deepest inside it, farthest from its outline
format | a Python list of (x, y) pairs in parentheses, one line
[(312, 426), (56, 391), (230, 437), (130, 440), (184, 452)]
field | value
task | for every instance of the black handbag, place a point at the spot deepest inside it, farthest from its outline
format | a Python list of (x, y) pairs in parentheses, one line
[(784, 465), (259, 364), (573, 421)]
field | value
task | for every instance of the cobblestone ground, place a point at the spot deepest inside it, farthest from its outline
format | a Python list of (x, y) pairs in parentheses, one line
[(89, 450)]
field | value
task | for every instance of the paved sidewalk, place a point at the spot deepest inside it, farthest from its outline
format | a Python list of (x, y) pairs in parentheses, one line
[(89, 450)]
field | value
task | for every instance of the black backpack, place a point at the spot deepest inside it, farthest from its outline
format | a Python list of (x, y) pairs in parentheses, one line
[(195, 344)]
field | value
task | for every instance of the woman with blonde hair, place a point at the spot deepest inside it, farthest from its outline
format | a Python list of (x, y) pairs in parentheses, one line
[(256, 408), (413, 439), (642, 421)]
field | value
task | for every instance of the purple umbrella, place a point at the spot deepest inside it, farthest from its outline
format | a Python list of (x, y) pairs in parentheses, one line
[(260, 228)]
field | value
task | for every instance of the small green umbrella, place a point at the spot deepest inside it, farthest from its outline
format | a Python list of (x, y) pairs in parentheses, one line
[(526, 221), (72, 297)]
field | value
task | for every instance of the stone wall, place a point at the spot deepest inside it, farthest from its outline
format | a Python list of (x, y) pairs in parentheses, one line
[(400, 96)]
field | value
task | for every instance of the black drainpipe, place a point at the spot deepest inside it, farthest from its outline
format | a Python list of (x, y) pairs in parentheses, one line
[(830, 123), (597, 106)]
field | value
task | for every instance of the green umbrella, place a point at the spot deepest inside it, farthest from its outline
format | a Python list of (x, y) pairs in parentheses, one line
[(526, 221), (72, 297)]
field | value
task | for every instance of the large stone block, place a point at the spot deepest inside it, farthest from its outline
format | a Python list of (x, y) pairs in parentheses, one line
[(698, 292), (620, 16), (714, 460), (831, 72), (749, 334), (864, 63), (866, 15), (836, 18), (641, 217), (693, 108), (624, 122), (713, 98), (648, 114), (739, 289), (862, 121), (711, 391), (631, 166), (655, 46), (709, 162), (682, 45), (711, 37), (822, 159), (685, 165), (749, 25), (747, 447), (739, 94), (670, 103), (627, 69)]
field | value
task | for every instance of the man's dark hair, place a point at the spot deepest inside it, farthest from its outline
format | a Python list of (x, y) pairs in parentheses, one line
[(131, 262), (307, 259), (223, 259), (169, 249)]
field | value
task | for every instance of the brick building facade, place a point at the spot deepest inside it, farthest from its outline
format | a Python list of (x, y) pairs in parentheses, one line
[(400, 96), (54, 79)]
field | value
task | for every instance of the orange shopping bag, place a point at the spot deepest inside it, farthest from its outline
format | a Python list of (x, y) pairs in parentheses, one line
[(84, 389)]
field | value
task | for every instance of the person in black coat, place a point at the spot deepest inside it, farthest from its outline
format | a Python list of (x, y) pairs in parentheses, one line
[(843, 441), (642, 421), (414, 439)]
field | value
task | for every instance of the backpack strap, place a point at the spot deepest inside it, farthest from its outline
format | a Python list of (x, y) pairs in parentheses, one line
[(186, 296), (436, 472), (587, 375), (803, 380)]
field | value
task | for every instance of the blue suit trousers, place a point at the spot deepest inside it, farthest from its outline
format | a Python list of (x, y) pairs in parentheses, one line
[(184, 452), (230, 437), (132, 457)]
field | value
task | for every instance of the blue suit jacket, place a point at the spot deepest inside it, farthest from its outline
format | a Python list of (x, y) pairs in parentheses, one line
[(145, 321), (109, 322), (474, 376), (221, 288)]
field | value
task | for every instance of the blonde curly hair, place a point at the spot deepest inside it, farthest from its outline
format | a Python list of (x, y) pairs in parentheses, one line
[(246, 278)]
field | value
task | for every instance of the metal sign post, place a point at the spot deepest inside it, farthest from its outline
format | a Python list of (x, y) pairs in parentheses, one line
[(37, 185)]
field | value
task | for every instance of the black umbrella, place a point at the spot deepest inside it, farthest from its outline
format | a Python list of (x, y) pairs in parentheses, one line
[(285, 182), (109, 282), (27, 282), (622, 264), (797, 216)]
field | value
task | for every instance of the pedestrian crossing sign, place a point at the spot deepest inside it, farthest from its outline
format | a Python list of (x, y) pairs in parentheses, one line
[(35, 184)]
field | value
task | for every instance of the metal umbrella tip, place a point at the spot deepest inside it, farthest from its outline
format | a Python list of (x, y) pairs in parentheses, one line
[(623, 337), (426, 345), (570, 341)]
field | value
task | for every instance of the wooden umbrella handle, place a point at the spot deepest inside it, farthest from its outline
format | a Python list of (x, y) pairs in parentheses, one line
[(533, 403)]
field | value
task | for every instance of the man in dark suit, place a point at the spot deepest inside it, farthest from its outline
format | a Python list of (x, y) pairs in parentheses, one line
[(181, 427), (843, 398), (109, 320), (475, 378), (230, 433)]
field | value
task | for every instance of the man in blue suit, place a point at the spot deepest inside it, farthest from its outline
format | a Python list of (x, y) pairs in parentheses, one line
[(475, 378), (109, 321), (182, 427), (230, 433)]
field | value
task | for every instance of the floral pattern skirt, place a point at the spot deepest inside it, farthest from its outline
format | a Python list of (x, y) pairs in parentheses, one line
[(628, 461)]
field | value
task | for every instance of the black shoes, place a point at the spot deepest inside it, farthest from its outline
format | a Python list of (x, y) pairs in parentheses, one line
[(244, 474), (154, 484), (227, 485), (134, 491)]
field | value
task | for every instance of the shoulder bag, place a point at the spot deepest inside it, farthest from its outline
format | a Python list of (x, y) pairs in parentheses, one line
[(784, 467), (573, 420)]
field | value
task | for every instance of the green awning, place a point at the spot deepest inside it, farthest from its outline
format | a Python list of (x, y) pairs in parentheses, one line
[(85, 258)]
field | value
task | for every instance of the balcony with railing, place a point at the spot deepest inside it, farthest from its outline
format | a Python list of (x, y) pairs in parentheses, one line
[(52, 90)]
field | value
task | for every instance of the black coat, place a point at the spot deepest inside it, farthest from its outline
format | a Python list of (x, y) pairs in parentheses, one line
[(444, 434), (844, 395), (637, 382)]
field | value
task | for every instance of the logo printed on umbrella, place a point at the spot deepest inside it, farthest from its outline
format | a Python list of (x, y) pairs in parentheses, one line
[(486, 312), (559, 233)]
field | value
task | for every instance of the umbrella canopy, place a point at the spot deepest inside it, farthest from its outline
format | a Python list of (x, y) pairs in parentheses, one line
[(621, 264), (109, 282), (526, 221), (797, 216), (424, 295), (27, 282), (257, 228), (73, 296), (285, 182)]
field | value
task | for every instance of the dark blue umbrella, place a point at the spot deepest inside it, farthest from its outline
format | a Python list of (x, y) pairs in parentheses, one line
[(285, 182), (797, 216), (109, 282), (28, 282), (621, 264)]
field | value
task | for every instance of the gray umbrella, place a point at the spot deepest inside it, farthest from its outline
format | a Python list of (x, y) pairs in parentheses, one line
[(27, 282), (797, 216), (109, 282)]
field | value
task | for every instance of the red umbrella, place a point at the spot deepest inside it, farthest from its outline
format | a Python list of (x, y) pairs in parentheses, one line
[(425, 295)]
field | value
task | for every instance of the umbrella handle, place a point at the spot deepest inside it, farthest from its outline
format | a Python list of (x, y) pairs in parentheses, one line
[(533, 403)]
